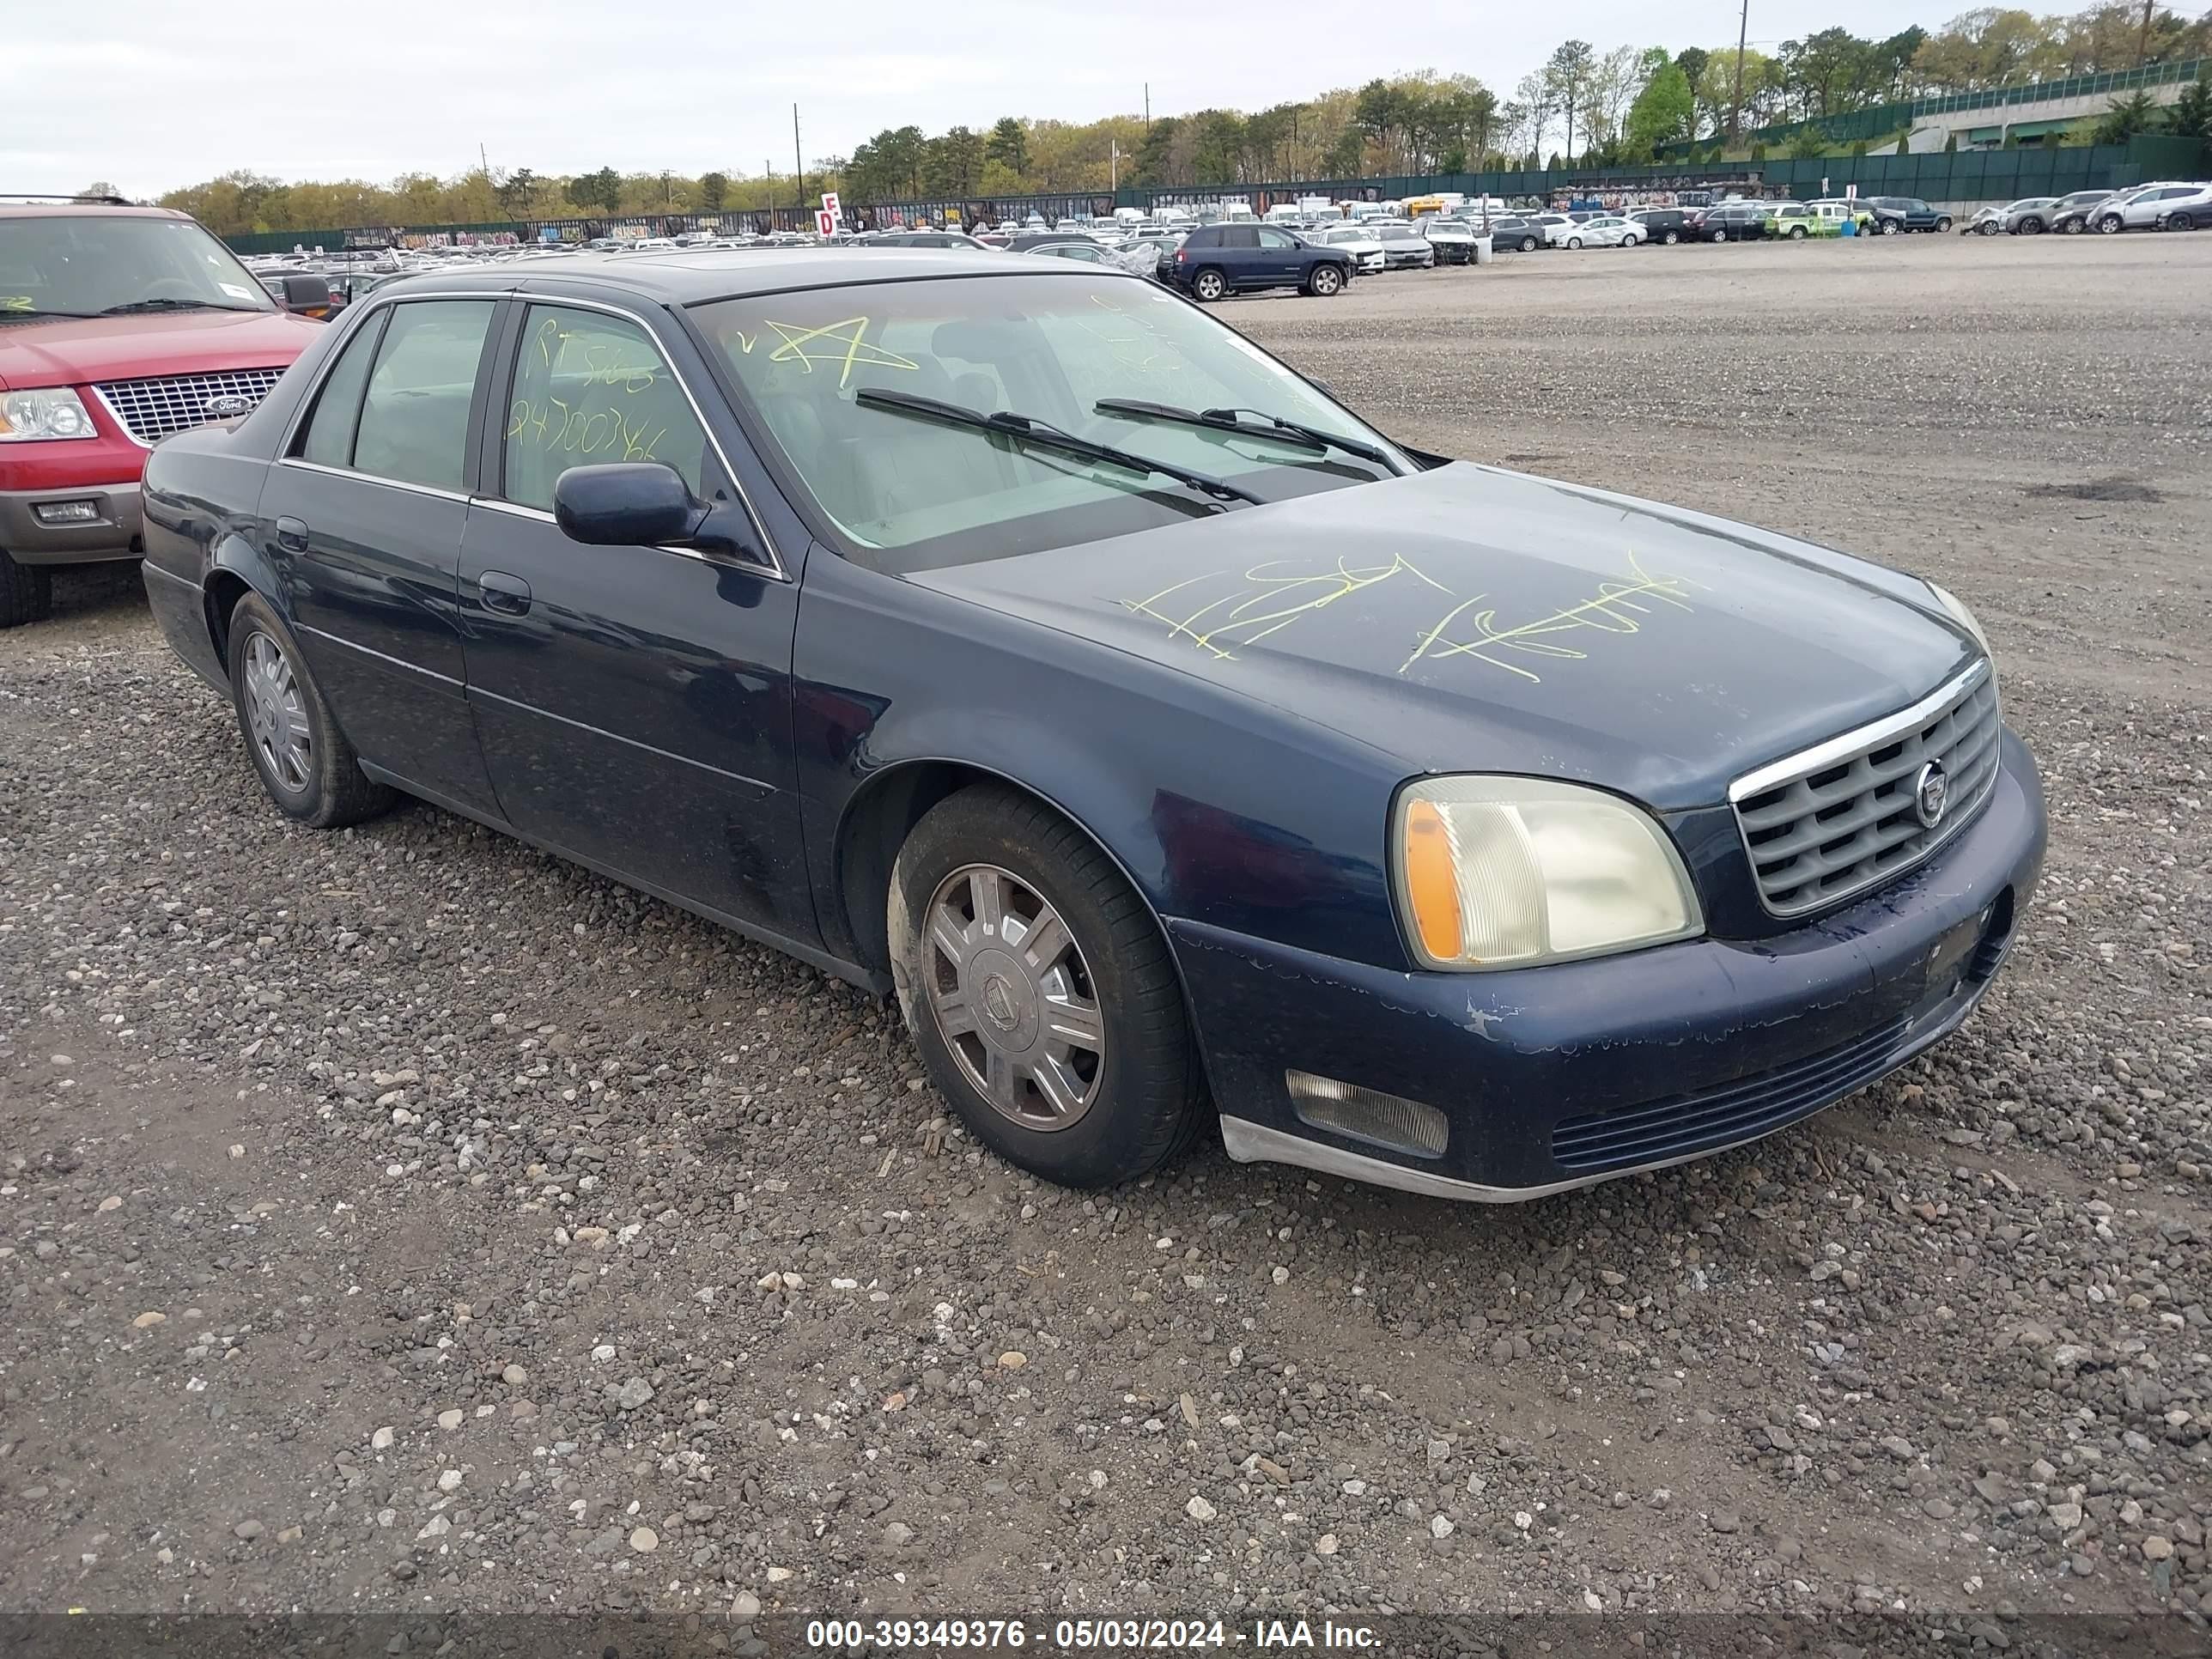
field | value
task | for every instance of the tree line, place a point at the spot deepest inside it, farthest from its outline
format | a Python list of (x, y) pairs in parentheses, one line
[(1581, 106)]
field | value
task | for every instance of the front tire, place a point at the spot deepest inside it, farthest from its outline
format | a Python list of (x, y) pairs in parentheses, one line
[(1889, 226), (1943, 224), (1040, 993), (2111, 225), (1574, 241), (1324, 281), (302, 758), (26, 591), (1209, 285)]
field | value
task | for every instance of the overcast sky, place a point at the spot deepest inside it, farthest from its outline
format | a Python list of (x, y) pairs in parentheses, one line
[(149, 94)]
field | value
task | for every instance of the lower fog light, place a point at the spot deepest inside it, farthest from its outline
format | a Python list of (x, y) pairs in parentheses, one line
[(1404, 1126)]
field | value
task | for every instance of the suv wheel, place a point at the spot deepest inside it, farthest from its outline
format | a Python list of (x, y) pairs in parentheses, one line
[(1719, 234), (2180, 221), (2031, 226), (1324, 280), (2111, 225), (1528, 244), (1209, 284), (26, 591), (305, 762), (1943, 224), (1889, 226), (1668, 239), (2075, 225), (1040, 993)]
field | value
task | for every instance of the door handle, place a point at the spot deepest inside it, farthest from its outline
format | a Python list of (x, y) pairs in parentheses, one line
[(508, 595), (291, 535)]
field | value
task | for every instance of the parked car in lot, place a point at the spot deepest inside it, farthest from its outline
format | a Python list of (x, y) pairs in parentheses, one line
[(1172, 763), (1605, 230), (1558, 227), (2028, 216), (2165, 204), (1356, 243), (1518, 235), (1215, 260), (927, 239), (1908, 213), (119, 325), (1733, 221), (1665, 225), (2070, 214), (1794, 222), (1839, 210), (1404, 247), (1453, 239)]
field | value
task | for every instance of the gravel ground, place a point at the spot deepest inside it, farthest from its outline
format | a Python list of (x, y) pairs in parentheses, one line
[(398, 1219)]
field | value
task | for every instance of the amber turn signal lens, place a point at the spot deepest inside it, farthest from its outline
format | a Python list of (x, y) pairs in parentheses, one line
[(1432, 881)]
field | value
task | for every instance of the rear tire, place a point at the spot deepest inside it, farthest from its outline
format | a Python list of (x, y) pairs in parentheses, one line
[(1719, 236), (1528, 244), (2180, 221), (1081, 1110), (302, 758), (1209, 285), (2031, 227), (26, 591), (1796, 233), (1670, 239)]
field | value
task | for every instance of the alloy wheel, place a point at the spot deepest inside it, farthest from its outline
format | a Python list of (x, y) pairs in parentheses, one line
[(1013, 998), (277, 714)]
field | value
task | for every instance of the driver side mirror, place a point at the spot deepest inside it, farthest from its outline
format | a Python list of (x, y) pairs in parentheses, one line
[(627, 504), (310, 296)]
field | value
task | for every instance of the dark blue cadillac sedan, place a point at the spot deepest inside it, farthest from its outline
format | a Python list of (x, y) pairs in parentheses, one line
[(1018, 638)]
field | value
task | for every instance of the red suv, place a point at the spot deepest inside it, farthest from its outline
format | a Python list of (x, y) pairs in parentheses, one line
[(119, 325)]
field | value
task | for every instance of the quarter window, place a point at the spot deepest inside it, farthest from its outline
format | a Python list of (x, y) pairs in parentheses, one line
[(591, 388), (414, 419), (328, 441)]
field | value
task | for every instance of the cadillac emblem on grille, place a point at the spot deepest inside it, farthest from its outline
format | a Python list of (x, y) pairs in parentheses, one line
[(1931, 792)]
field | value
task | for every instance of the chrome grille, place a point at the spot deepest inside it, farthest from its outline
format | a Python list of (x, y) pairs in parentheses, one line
[(1841, 818), (149, 410)]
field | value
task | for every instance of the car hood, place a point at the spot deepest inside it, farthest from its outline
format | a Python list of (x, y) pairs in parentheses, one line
[(76, 351), (1468, 618)]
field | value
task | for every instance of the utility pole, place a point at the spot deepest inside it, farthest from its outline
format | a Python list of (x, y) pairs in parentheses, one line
[(1148, 103), (799, 166), (1735, 105), (2142, 40)]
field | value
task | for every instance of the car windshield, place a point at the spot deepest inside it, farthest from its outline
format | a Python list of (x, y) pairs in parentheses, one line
[(85, 263), (911, 495)]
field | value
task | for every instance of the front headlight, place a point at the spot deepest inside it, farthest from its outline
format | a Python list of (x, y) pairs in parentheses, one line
[(1957, 607), (1508, 873), (49, 412)]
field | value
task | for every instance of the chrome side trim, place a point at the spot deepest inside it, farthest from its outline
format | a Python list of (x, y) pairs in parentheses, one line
[(1822, 755), (374, 478), (539, 515)]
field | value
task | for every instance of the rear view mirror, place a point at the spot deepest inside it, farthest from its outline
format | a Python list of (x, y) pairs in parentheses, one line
[(308, 295), (626, 504)]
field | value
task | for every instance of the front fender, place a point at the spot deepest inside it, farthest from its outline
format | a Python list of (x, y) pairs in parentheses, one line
[(1218, 808)]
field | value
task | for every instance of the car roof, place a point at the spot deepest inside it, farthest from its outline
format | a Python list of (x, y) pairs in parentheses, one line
[(102, 209), (677, 277)]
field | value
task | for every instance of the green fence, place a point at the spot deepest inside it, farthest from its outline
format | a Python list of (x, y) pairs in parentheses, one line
[(1881, 121), (1958, 177)]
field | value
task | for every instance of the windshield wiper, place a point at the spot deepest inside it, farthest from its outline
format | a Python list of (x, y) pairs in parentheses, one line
[(169, 305), (1262, 425), (10, 313), (1024, 430)]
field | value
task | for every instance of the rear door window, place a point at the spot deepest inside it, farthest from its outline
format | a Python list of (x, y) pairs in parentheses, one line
[(415, 417)]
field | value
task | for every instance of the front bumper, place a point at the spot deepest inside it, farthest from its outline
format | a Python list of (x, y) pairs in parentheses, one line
[(1557, 1077), (113, 533)]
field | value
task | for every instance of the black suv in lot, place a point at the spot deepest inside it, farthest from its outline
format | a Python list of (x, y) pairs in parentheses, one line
[(1219, 259), (1664, 225), (1733, 221), (1895, 213)]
